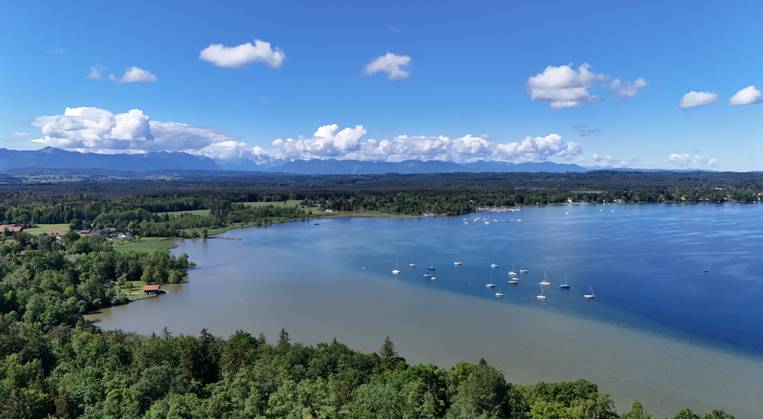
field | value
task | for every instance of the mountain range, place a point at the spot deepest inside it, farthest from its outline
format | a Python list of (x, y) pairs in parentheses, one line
[(54, 158)]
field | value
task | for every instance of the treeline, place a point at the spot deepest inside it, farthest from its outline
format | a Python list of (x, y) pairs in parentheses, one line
[(222, 213), (46, 282), (83, 372), (455, 193)]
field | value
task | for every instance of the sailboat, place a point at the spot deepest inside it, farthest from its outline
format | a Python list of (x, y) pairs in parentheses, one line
[(513, 280), (545, 281), (395, 270), (431, 266), (590, 295), (523, 270), (511, 272), (541, 296), (493, 265), (458, 263), (412, 263), (564, 285), (498, 294), (490, 284)]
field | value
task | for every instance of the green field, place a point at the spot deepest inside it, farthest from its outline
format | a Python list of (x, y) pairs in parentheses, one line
[(47, 228), (145, 244), (202, 212), (289, 203), (191, 212)]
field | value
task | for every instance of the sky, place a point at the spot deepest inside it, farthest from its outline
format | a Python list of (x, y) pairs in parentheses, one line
[(647, 84)]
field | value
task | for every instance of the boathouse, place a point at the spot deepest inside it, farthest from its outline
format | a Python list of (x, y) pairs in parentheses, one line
[(152, 289)]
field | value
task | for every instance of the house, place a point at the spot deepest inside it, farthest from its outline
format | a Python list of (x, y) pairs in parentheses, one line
[(152, 289), (56, 234), (12, 228)]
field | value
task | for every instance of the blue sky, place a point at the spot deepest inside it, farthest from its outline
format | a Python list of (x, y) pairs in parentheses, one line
[(465, 93)]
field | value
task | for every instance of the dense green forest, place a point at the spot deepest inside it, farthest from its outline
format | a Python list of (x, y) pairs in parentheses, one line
[(53, 363), (137, 205)]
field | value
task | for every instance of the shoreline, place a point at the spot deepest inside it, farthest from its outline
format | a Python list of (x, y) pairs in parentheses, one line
[(625, 346)]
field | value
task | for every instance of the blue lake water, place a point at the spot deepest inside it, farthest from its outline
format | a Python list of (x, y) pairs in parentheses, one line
[(661, 328)]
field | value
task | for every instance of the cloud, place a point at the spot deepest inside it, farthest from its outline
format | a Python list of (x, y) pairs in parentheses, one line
[(239, 55), (628, 89), (396, 66), (566, 87), (609, 162), (136, 75), (746, 96), (563, 86), (329, 141), (89, 129), (693, 99), (95, 73), (21, 134), (57, 51), (693, 159)]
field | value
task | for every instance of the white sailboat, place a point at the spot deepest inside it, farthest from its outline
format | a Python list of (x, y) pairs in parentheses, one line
[(412, 264), (523, 270), (395, 270), (511, 272), (493, 265), (590, 295), (498, 294), (545, 281), (513, 280), (541, 296), (458, 263), (490, 285), (564, 285)]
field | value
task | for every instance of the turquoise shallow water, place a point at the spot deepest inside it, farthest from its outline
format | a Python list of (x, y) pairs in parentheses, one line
[(661, 329)]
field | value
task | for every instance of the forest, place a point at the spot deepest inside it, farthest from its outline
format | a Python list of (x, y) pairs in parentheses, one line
[(54, 363), (116, 203)]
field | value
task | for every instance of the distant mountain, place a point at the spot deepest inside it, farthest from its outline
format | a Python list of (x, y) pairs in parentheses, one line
[(500, 166), (54, 158)]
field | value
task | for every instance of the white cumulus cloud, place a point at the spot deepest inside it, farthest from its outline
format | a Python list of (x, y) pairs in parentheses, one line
[(563, 86), (131, 75), (239, 55), (566, 87), (327, 141), (691, 159), (746, 96), (629, 89), (95, 73), (90, 129), (331, 142), (395, 66), (694, 98), (608, 162)]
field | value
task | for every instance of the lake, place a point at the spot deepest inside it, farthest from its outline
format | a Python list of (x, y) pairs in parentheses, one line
[(677, 320)]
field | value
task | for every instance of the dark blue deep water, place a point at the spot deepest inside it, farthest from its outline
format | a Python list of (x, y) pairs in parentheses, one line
[(646, 263)]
